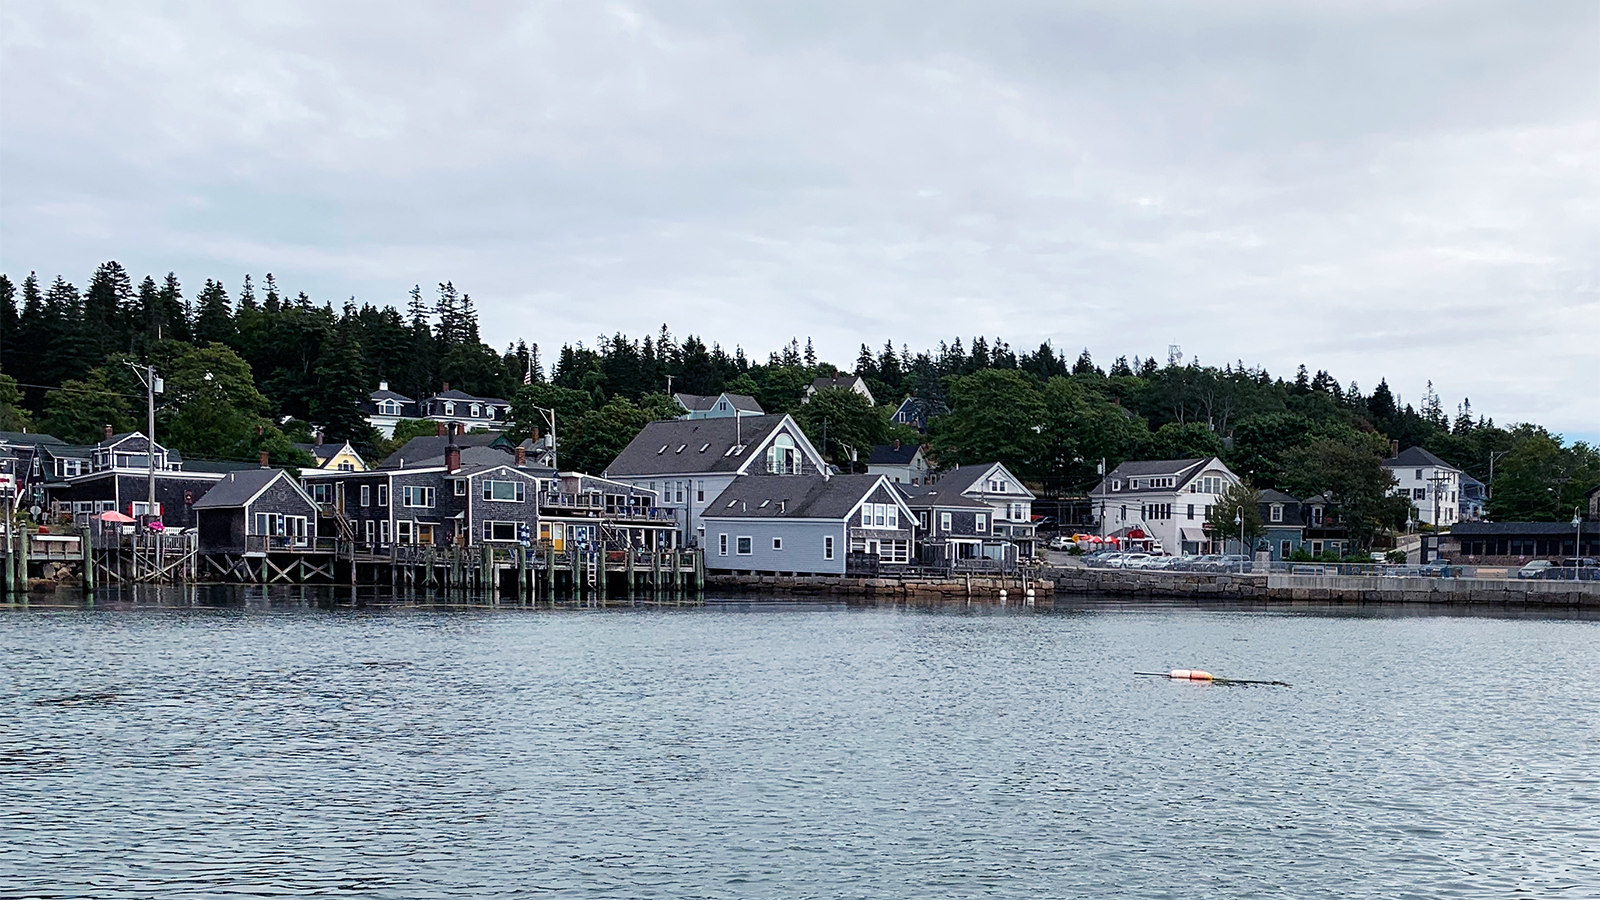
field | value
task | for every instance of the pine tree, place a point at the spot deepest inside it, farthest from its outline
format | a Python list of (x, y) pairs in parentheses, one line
[(173, 319), (107, 311), (273, 301), (8, 320), (810, 355), (213, 322)]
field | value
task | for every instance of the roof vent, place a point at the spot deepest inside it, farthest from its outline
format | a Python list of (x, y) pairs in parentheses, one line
[(662, 450), (681, 448), (704, 447), (764, 504)]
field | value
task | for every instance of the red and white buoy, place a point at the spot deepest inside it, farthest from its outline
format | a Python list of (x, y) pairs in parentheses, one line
[(1191, 675)]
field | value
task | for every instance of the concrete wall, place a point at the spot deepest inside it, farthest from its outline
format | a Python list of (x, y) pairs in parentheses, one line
[(1342, 589)]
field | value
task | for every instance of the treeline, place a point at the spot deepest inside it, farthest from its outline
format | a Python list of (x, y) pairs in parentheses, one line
[(277, 363)]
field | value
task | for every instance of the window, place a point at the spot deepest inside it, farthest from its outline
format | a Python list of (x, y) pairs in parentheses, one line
[(69, 468), (944, 521), (143, 508), (347, 467), (777, 543), (370, 528), (827, 546), (1276, 513), (682, 485), (477, 411), (1283, 550), (1191, 512), (700, 489), (383, 495), (880, 516), (1017, 515), (980, 523), (383, 531), (1419, 493), (460, 486), (722, 545), (322, 493), (449, 408), (744, 546), (782, 457), (504, 491), (1419, 475), (403, 531), (415, 496), (894, 515), (366, 495), (1116, 485), (499, 531)]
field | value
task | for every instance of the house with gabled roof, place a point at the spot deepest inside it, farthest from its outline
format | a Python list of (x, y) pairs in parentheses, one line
[(1170, 499), (115, 474), (385, 409), (1005, 494), (341, 456), (916, 412), (256, 510), (1283, 523), (717, 406), (688, 462), (848, 382), (809, 524), (955, 530), (903, 463), (1432, 485)]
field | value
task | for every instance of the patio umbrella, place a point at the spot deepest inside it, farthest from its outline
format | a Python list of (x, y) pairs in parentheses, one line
[(116, 518)]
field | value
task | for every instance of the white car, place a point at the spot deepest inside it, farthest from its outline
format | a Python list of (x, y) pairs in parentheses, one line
[(1061, 542), (1131, 561)]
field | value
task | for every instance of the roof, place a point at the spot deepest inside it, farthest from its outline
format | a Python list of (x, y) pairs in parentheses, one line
[(429, 448), (390, 395), (27, 437), (933, 496), (701, 402), (239, 488), (1494, 529), (1416, 457), (1181, 469), (688, 446), (323, 451), (459, 396), (965, 478), (215, 466), (896, 454), (792, 497), (1272, 496), (823, 382)]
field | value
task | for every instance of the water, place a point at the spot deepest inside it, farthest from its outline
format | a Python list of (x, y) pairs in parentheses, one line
[(753, 751)]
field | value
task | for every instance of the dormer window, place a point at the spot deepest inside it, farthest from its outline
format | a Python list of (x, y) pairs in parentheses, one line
[(477, 411), (449, 408), (1276, 514), (1116, 485)]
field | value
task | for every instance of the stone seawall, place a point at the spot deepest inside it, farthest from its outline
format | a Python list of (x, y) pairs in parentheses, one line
[(976, 587), (1331, 588)]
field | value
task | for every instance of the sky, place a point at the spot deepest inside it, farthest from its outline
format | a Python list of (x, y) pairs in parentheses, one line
[(1399, 189)]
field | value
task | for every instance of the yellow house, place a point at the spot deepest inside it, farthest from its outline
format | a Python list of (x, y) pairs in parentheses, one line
[(339, 457)]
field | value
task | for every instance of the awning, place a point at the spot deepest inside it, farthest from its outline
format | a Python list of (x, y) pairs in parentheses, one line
[(1192, 535)]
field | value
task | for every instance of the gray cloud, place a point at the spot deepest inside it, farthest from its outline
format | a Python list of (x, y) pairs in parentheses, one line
[(1399, 190)]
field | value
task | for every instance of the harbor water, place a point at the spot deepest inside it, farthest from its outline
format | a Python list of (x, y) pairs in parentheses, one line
[(258, 745)]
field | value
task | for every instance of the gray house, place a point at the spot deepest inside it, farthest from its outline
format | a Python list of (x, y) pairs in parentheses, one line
[(718, 406), (955, 530), (1283, 517), (809, 525), (1012, 502), (256, 510), (686, 463), (903, 463)]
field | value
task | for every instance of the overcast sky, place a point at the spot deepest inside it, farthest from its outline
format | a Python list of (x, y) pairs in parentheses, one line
[(1399, 189)]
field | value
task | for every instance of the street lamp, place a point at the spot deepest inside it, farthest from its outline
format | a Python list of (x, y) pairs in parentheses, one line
[(1238, 519), (1577, 543)]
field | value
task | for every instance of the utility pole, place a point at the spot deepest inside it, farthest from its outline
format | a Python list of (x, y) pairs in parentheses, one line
[(550, 416)]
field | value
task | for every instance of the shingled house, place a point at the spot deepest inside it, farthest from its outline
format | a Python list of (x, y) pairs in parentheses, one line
[(255, 510), (809, 525)]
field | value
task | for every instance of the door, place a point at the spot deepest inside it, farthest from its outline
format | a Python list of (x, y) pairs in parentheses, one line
[(424, 534)]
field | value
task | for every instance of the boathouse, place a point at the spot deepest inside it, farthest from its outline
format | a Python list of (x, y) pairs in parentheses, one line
[(255, 510)]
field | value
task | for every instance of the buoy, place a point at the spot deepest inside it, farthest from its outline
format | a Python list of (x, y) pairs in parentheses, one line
[(1203, 675), (1002, 596), (1191, 675)]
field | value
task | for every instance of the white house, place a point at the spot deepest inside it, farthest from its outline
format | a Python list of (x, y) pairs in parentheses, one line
[(1432, 485), (903, 463), (848, 382), (1169, 498)]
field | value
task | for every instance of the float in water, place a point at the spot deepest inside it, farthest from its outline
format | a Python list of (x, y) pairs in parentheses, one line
[(1203, 675)]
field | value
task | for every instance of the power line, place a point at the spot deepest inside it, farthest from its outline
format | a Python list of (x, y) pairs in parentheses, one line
[(80, 390)]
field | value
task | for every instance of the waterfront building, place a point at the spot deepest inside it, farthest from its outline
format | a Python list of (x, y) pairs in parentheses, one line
[(848, 382), (1515, 543), (717, 406), (686, 463), (1325, 531), (955, 531), (114, 475), (1474, 497), (809, 525), (1005, 494), (903, 463), (1283, 522), (255, 510), (1170, 499), (1432, 485), (581, 510)]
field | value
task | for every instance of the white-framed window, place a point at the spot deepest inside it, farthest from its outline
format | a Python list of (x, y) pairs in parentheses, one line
[(980, 523), (777, 543), (370, 529), (682, 486), (449, 408), (416, 496), (143, 508), (477, 411), (383, 531), (383, 495), (405, 532), (499, 531), (504, 491), (69, 468), (1191, 512), (1017, 515), (827, 546), (366, 495), (460, 486), (322, 493), (744, 545), (722, 545), (1275, 514), (1116, 485), (944, 522), (700, 492)]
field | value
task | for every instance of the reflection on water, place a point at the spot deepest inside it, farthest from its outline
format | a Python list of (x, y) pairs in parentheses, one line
[(231, 742)]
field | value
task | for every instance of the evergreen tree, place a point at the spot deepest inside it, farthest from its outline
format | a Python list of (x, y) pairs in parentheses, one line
[(273, 300), (213, 321), (342, 384), (173, 319), (107, 312), (8, 320)]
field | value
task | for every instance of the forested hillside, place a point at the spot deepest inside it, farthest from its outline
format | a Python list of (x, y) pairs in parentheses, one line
[(248, 369)]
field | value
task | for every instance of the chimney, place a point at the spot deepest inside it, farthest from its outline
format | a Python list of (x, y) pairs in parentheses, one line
[(1394, 449), (319, 438), (522, 457), (452, 453), (108, 432), (445, 389), (264, 463), (383, 385), (897, 444), (440, 429)]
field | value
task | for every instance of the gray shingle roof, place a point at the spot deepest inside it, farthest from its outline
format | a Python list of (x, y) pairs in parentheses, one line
[(1415, 458), (429, 449), (892, 455), (390, 395), (321, 451), (791, 497), (1181, 469), (28, 438), (701, 402), (237, 488), (684, 440), (460, 396), (937, 496)]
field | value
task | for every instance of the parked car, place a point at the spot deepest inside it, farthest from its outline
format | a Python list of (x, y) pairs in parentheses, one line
[(1205, 563), (1061, 542), (1535, 569), (1571, 569), (1236, 562), (1440, 569), (1131, 560)]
